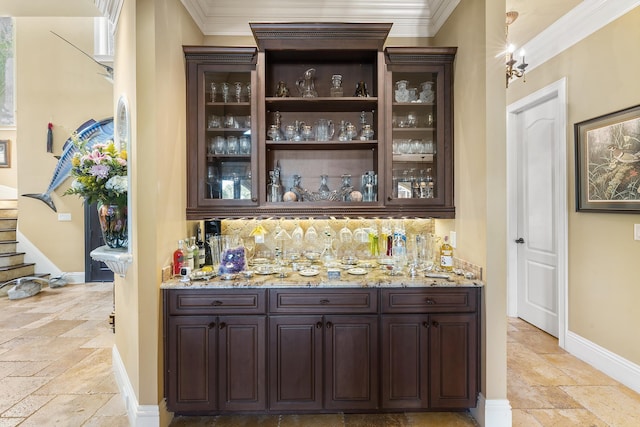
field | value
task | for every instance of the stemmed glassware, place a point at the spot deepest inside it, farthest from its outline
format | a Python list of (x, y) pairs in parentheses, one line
[(250, 247)]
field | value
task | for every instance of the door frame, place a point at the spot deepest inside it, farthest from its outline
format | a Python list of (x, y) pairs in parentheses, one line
[(557, 90)]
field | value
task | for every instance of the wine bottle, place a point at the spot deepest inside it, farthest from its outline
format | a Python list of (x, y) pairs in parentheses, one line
[(446, 255), (189, 252), (178, 258)]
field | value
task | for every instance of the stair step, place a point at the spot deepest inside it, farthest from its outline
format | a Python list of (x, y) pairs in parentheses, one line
[(8, 204), (8, 246), (15, 271), (8, 223), (7, 234), (8, 213), (12, 258)]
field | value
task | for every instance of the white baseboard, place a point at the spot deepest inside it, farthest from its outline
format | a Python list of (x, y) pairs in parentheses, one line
[(617, 367), (492, 412), (139, 415)]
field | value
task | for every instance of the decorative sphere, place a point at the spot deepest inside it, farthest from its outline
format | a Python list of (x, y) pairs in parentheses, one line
[(356, 196), (289, 196)]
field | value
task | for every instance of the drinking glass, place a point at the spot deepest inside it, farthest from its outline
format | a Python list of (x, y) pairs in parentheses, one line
[(238, 91), (245, 144), (219, 145), (214, 91), (232, 145), (225, 87)]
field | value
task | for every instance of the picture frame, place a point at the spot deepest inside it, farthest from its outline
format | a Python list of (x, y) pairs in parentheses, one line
[(608, 162), (5, 154)]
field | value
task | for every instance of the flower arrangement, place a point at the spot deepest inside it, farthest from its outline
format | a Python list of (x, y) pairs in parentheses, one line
[(100, 173)]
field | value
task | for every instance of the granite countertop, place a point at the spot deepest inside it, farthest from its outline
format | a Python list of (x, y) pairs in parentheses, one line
[(355, 277)]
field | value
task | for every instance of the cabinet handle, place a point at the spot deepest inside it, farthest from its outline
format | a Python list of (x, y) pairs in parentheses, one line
[(425, 324), (430, 301), (329, 325), (223, 325), (324, 301), (435, 324), (216, 302), (212, 325), (319, 325)]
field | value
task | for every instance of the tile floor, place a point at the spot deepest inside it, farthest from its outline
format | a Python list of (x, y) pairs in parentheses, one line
[(55, 369)]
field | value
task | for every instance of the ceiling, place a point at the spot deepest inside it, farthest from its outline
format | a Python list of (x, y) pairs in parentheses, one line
[(410, 18)]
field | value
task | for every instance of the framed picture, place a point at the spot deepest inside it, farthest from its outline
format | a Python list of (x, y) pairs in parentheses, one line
[(5, 155), (608, 162)]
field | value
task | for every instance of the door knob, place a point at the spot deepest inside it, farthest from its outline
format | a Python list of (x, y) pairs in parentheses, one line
[(519, 240)]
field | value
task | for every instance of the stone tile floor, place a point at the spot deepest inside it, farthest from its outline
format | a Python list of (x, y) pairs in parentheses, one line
[(55, 369)]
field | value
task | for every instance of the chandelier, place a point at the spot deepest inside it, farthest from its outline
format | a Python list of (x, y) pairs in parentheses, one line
[(514, 69)]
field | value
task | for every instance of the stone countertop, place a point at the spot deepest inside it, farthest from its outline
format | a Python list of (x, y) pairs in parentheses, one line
[(372, 278)]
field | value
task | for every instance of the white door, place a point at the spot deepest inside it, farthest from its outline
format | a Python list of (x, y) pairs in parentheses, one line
[(540, 200)]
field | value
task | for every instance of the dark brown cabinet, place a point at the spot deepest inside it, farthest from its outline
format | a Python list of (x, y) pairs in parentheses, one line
[(402, 165), (321, 350), (215, 362), (430, 357), (323, 362)]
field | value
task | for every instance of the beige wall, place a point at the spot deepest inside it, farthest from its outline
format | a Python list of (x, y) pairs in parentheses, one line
[(480, 168), (603, 281), (54, 83), (150, 71)]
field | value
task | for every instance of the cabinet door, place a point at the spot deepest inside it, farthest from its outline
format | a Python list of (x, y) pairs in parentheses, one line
[(405, 361), (420, 145), (241, 351), (295, 362), (351, 362), (221, 141), (191, 364), (454, 360)]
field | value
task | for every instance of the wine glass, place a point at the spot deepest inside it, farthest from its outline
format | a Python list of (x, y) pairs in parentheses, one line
[(250, 247)]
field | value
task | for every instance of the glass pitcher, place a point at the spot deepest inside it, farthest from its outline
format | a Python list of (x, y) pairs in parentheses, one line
[(306, 85)]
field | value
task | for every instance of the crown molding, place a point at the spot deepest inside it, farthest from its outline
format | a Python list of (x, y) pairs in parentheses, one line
[(579, 23), (410, 18)]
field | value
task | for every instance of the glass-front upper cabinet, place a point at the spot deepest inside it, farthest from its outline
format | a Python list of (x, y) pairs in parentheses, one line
[(419, 143), (221, 142)]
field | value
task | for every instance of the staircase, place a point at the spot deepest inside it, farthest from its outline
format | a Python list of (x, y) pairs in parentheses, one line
[(12, 263)]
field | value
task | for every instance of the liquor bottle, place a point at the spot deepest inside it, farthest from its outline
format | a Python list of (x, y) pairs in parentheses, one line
[(178, 258), (201, 249), (196, 252), (446, 255), (189, 254)]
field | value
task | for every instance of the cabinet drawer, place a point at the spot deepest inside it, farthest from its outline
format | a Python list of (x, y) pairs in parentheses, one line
[(223, 301), (323, 301), (429, 300)]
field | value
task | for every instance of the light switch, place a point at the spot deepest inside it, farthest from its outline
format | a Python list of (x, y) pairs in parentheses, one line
[(64, 217), (636, 231)]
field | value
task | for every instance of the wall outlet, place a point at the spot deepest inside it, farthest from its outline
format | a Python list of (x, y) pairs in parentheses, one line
[(636, 231), (453, 239), (64, 217)]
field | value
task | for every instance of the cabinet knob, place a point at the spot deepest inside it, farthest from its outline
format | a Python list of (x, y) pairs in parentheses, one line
[(212, 325), (216, 302), (324, 301), (425, 324), (329, 325), (389, 198), (319, 325), (223, 325), (435, 324), (430, 301), (254, 199)]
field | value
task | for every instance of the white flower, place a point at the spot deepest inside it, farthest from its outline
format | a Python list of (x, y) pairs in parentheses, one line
[(117, 183), (77, 185)]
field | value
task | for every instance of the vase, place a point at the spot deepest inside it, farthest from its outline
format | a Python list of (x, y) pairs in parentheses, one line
[(113, 224)]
